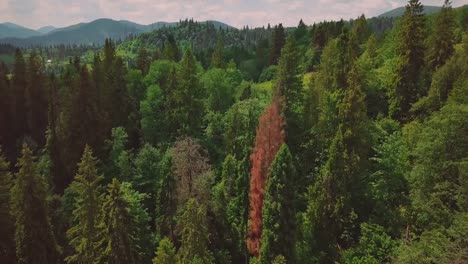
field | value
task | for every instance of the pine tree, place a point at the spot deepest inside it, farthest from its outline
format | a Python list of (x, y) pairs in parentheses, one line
[(301, 30), (166, 200), (79, 126), (83, 233), (143, 60), (289, 89), (361, 29), (278, 40), (410, 49), (7, 227), (36, 100), (171, 50), (34, 238), (19, 84), (442, 41), (7, 110), (194, 233), (278, 210), (118, 241), (338, 195), (165, 254), (188, 97), (217, 59)]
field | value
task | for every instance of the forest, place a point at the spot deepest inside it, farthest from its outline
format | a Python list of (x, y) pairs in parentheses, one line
[(337, 142)]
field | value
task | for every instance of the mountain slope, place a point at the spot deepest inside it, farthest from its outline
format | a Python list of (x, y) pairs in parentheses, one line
[(94, 32), (397, 12), (10, 30), (46, 29)]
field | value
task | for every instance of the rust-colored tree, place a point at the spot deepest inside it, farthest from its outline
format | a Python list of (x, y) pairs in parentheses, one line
[(270, 136)]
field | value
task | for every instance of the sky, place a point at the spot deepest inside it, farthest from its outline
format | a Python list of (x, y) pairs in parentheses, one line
[(238, 13)]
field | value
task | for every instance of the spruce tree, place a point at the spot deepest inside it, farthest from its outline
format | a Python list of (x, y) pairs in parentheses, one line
[(35, 242), (171, 50), (83, 232), (143, 60), (410, 49), (278, 212), (7, 110), (36, 100), (289, 88), (339, 193), (166, 203), (217, 59), (7, 227), (442, 41), (118, 241), (194, 233), (188, 97), (165, 254), (19, 83), (277, 43)]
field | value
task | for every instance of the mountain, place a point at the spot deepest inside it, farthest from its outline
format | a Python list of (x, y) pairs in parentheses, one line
[(10, 30), (94, 32), (46, 29), (397, 12)]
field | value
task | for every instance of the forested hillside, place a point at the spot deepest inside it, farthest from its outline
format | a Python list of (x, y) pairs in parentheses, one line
[(337, 142)]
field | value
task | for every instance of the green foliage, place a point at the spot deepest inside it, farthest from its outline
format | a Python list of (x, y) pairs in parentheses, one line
[(7, 227), (83, 231), (289, 88), (278, 41), (375, 246), (441, 45), (278, 212), (118, 241), (410, 50), (194, 234), (165, 253), (35, 242)]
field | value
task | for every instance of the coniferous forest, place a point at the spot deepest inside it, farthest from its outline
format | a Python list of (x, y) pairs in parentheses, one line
[(337, 142)]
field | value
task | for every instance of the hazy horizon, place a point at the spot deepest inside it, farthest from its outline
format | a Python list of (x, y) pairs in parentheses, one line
[(238, 13)]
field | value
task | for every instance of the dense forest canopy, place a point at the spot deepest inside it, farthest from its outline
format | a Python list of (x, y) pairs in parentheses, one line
[(337, 142)]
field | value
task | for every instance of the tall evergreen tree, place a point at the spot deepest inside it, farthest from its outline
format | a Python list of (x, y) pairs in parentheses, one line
[(143, 60), (277, 43), (171, 50), (19, 84), (289, 89), (217, 59), (118, 241), (166, 203), (194, 234), (83, 233), (336, 201), (410, 50), (188, 97), (35, 242), (441, 46), (7, 227), (79, 126), (165, 254), (279, 221), (36, 100), (7, 110)]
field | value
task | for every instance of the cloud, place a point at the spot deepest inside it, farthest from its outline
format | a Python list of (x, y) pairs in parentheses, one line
[(37, 13)]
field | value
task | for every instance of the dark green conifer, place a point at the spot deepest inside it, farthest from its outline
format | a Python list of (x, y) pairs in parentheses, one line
[(83, 234), (35, 242), (278, 213)]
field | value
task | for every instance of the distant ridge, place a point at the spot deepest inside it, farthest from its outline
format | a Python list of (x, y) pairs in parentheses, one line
[(94, 32), (398, 12), (8, 30), (46, 29)]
